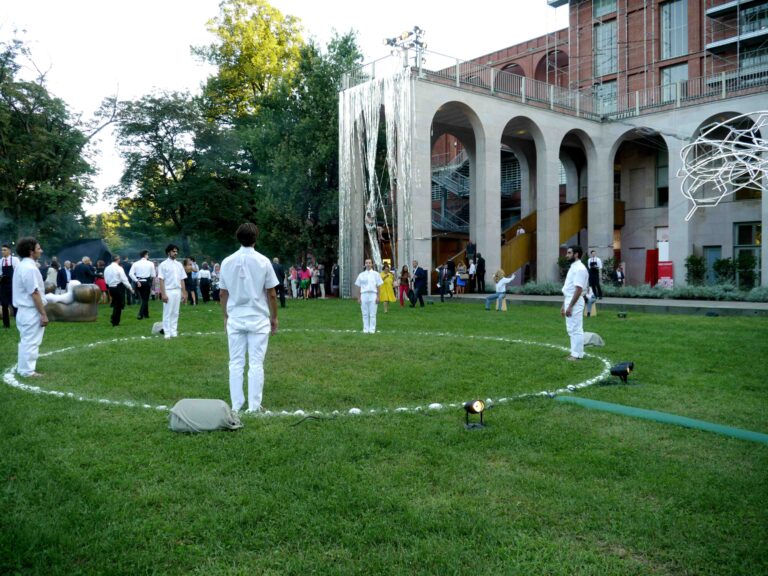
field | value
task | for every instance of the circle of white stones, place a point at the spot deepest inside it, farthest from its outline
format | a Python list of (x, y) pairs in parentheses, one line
[(9, 377)]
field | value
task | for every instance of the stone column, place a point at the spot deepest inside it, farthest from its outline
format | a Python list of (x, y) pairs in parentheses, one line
[(547, 210), (421, 190), (600, 204), (764, 221), (486, 216), (680, 246)]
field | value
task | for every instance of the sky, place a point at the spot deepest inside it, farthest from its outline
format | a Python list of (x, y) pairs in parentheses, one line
[(92, 49)]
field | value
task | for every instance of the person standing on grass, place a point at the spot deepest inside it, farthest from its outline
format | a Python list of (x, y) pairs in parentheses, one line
[(501, 289), (117, 283), (143, 273), (171, 276), (29, 301), (572, 310), (8, 264), (595, 269), (368, 282), (280, 275), (249, 301)]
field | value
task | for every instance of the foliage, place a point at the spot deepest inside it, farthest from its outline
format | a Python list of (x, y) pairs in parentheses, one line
[(44, 174), (745, 268), (609, 267), (725, 291), (563, 265), (541, 288), (257, 53), (758, 294), (92, 488), (725, 270), (695, 270)]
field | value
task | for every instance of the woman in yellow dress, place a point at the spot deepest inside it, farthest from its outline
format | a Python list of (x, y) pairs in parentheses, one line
[(387, 290)]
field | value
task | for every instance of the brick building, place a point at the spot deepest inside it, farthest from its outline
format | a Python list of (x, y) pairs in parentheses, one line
[(578, 135)]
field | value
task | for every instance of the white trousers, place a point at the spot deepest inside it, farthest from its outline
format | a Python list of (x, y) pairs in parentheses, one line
[(575, 328), (171, 313), (369, 307), (31, 333), (241, 340)]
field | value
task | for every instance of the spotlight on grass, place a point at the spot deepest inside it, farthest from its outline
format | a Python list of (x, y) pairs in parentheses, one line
[(474, 407), (622, 370)]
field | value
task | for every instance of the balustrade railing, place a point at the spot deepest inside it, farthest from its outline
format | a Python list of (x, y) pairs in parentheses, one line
[(586, 104)]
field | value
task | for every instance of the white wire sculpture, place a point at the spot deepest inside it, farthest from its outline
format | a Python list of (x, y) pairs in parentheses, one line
[(715, 166)]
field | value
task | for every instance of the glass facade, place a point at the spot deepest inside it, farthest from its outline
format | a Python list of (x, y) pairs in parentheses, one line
[(670, 76), (603, 7), (674, 28), (606, 51)]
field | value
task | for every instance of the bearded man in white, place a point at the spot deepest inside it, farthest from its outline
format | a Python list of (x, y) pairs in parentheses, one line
[(171, 275), (249, 301), (368, 281), (572, 310)]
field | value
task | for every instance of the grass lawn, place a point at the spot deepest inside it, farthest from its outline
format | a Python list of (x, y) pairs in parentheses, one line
[(546, 488)]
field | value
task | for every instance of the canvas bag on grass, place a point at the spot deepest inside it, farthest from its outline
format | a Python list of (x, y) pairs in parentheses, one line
[(203, 415)]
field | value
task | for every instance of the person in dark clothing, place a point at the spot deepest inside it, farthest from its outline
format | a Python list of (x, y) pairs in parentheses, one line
[(480, 273), (280, 273), (419, 284), (84, 272)]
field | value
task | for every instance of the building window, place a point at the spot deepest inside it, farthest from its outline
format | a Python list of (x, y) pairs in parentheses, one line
[(603, 7), (746, 253), (662, 178), (754, 60), (674, 28), (607, 95), (606, 52), (670, 76), (753, 18)]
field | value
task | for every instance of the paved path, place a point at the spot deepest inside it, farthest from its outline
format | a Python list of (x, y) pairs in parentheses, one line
[(657, 305)]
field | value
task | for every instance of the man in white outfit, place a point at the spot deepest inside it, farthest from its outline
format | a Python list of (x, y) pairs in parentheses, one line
[(248, 298), (572, 310), (368, 281), (29, 300), (171, 275)]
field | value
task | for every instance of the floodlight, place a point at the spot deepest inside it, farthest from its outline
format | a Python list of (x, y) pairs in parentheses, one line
[(622, 370), (474, 407)]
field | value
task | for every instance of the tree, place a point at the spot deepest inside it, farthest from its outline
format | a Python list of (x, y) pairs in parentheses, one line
[(182, 171), (258, 49), (42, 169)]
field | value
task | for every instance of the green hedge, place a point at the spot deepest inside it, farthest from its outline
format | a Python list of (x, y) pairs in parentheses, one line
[(727, 292)]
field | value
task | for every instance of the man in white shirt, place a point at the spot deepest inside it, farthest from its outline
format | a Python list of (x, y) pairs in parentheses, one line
[(247, 291), (368, 281), (595, 269), (573, 305), (8, 264), (171, 275), (142, 273), (117, 283), (29, 300), (501, 290)]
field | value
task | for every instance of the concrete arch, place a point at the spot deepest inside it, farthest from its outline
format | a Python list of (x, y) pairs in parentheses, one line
[(552, 68), (514, 68)]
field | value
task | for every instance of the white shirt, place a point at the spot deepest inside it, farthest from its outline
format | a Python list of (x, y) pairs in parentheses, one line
[(11, 261), (577, 276), (501, 285), (369, 281), (171, 272), (596, 260), (26, 281), (115, 275), (142, 270), (204, 274), (472, 269), (247, 275)]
